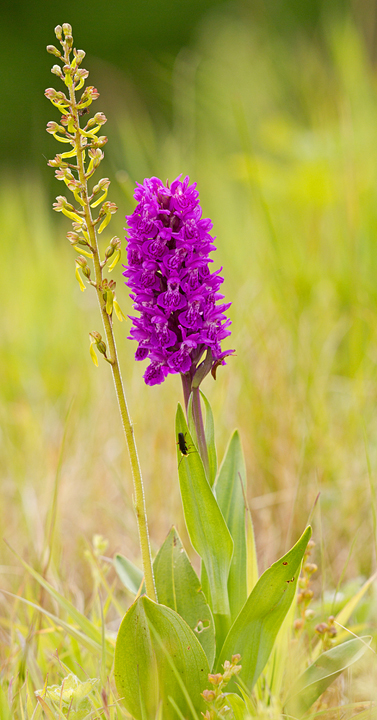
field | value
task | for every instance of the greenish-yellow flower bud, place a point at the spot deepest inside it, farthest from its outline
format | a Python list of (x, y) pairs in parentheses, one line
[(67, 29), (109, 252), (101, 185), (99, 142), (115, 244), (97, 338), (79, 55), (53, 51), (101, 347), (108, 207), (80, 260), (56, 70), (58, 32), (73, 238), (215, 679), (57, 161), (98, 119), (53, 127), (81, 74), (209, 695), (51, 94)]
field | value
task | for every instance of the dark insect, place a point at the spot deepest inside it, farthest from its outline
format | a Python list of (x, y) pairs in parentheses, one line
[(182, 443), (184, 448), (84, 111)]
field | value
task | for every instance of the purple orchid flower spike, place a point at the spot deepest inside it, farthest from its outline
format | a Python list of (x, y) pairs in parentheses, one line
[(182, 320)]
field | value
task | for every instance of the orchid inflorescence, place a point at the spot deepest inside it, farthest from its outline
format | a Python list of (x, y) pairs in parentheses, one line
[(76, 166), (181, 314)]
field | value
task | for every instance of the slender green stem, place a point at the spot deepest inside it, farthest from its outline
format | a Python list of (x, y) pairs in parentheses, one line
[(199, 426), (186, 386), (139, 500)]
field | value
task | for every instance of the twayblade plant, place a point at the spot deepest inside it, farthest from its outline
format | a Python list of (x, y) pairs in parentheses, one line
[(186, 647)]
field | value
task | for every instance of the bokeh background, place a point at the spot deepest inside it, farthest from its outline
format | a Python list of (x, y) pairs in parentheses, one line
[(271, 107)]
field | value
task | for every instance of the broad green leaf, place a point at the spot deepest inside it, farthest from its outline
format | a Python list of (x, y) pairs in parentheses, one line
[(130, 575), (210, 439), (205, 523), (157, 656), (275, 670), (237, 705), (230, 497), (178, 587), (255, 629), (316, 678)]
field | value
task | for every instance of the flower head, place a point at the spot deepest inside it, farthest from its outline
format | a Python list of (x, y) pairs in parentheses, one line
[(173, 289)]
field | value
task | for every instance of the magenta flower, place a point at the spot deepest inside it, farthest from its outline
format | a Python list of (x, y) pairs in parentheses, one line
[(182, 320)]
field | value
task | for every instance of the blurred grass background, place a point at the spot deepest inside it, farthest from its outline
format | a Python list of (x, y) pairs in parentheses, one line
[(271, 108)]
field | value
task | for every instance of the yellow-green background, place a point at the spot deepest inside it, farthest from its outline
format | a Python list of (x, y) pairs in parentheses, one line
[(271, 107)]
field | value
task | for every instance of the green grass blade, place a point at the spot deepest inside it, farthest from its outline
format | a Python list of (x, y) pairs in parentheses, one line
[(318, 676), (87, 627), (86, 641), (345, 613)]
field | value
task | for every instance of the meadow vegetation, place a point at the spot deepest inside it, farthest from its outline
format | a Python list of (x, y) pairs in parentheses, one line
[(280, 140)]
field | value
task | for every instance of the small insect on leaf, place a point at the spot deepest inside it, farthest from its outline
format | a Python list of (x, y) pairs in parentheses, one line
[(182, 443)]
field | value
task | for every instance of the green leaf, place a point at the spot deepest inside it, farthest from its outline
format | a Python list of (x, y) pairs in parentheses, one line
[(316, 678), (255, 629), (210, 439), (205, 523), (230, 497), (275, 669), (252, 560), (345, 613), (130, 575), (178, 587), (191, 423), (237, 705), (157, 656), (209, 431)]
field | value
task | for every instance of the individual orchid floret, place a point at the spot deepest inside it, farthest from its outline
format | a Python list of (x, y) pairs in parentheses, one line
[(181, 323)]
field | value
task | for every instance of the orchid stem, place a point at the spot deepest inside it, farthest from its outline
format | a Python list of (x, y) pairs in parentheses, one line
[(199, 426), (139, 500)]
